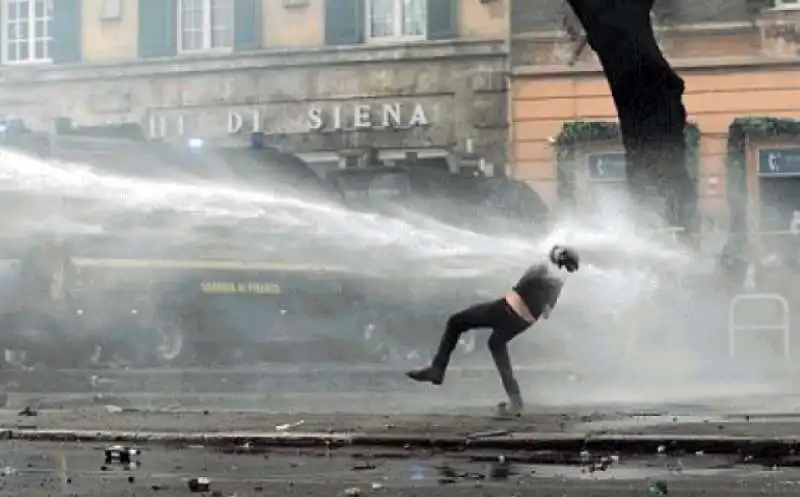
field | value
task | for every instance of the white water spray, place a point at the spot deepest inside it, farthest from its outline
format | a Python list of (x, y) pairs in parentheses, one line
[(608, 302), (198, 204)]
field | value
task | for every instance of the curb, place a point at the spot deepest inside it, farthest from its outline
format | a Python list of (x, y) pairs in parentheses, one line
[(757, 447), (211, 439)]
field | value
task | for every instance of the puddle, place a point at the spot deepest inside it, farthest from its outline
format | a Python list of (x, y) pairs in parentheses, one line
[(450, 472), (637, 473)]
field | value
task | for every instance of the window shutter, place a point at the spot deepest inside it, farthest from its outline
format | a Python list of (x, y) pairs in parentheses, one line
[(442, 19), (344, 22), (67, 32), (158, 28), (247, 24)]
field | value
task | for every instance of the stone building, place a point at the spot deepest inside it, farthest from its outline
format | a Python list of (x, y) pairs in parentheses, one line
[(321, 78)]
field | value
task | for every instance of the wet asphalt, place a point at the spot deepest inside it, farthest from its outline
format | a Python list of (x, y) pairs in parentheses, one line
[(288, 389), (367, 401), (369, 389), (217, 421), (39, 469)]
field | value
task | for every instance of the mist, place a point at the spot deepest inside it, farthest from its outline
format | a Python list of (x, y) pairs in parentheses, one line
[(625, 331)]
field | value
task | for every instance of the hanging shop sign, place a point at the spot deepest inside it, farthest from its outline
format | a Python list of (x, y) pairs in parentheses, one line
[(779, 161)]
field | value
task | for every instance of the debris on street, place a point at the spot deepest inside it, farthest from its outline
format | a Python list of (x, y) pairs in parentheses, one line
[(501, 469), (602, 465), (28, 411), (488, 434), (199, 485), (289, 426), (118, 454), (659, 489)]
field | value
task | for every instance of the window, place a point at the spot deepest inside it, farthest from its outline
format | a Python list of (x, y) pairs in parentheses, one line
[(394, 20), (206, 25), (26, 30)]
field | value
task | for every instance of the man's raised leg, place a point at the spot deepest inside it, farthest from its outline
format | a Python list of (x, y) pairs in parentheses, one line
[(476, 316)]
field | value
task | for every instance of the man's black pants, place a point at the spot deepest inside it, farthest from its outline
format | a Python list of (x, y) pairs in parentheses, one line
[(505, 325)]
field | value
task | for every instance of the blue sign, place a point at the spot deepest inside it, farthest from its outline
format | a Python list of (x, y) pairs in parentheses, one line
[(607, 167), (779, 162)]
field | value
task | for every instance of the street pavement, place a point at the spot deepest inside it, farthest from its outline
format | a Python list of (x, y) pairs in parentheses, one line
[(303, 378), (78, 469), (39, 469), (576, 422), (220, 421), (379, 390), (754, 425), (393, 407), (324, 388)]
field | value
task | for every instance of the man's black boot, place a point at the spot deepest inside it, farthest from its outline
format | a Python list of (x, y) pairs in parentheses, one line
[(512, 408), (430, 374)]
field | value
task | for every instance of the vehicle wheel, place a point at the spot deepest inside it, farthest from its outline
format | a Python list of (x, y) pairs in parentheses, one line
[(14, 358), (168, 340), (35, 338)]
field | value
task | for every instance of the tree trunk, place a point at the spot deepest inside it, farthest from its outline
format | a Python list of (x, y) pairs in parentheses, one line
[(648, 95)]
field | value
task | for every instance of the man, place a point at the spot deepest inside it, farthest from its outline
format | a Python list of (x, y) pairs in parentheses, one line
[(531, 299)]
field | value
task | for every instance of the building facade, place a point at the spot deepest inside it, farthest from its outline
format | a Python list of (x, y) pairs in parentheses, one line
[(740, 61), (317, 77)]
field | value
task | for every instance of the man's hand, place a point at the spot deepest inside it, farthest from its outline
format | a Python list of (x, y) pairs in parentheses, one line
[(546, 310)]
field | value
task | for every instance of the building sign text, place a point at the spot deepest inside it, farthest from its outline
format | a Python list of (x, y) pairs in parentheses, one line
[(230, 287), (181, 125), (363, 116), (336, 118)]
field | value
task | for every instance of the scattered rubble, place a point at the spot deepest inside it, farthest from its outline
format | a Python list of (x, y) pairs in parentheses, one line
[(488, 434), (199, 485), (659, 489), (289, 426), (119, 454), (603, 464), (500, 469), (28, 411)]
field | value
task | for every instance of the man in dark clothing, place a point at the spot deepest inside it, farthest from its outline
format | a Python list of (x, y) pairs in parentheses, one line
[(532, 298)]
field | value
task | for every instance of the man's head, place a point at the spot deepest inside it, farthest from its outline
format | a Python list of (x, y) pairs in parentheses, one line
[(565, 258)]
